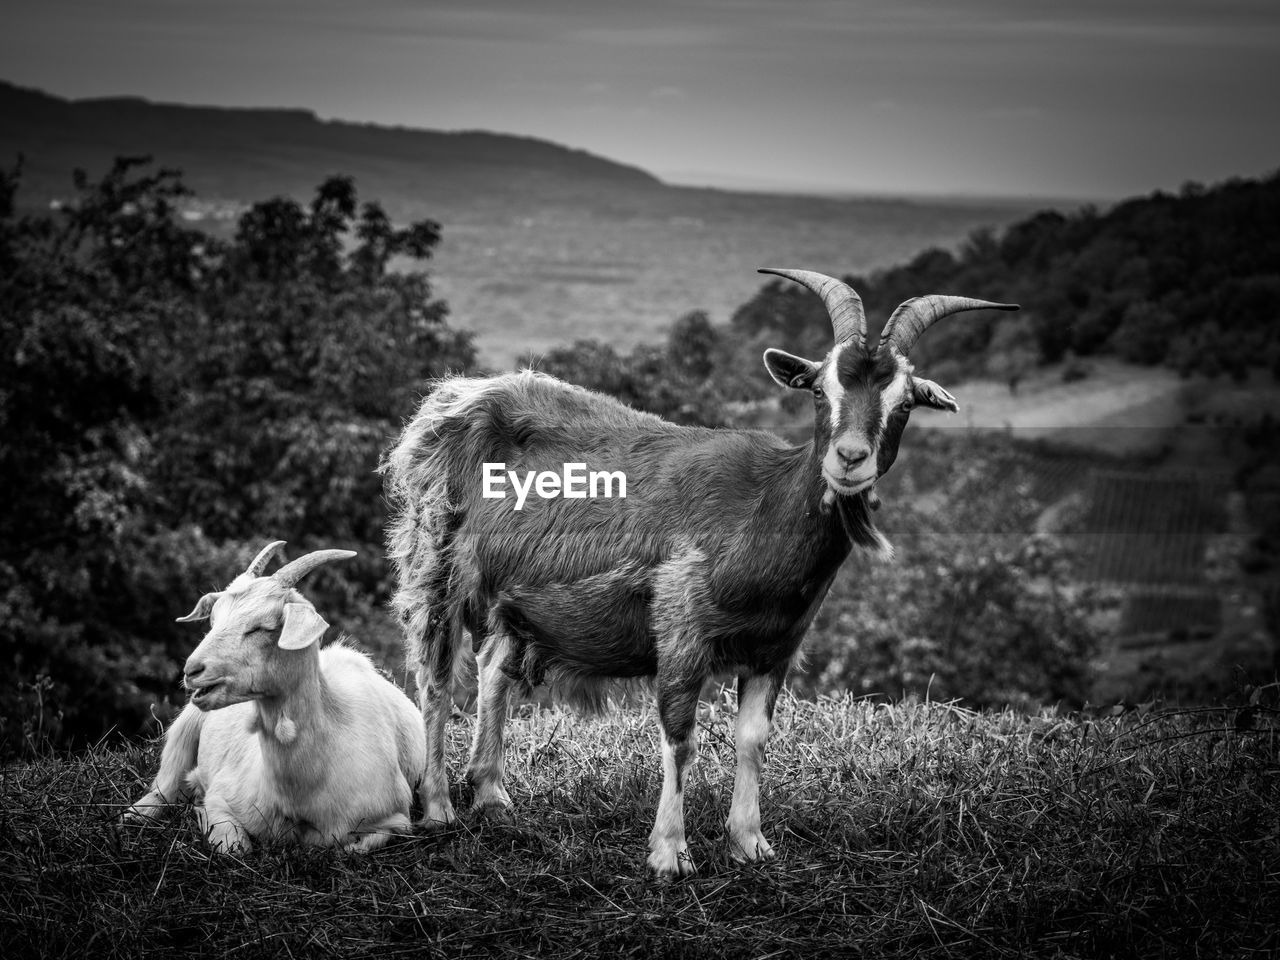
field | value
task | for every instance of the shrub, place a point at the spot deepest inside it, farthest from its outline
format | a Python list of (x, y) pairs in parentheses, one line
[(990, 621), (973, 607), (170, 402)]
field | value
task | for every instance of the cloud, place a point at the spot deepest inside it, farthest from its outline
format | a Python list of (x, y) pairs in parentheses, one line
[(1011, 113), (684, 35), (668, 93)]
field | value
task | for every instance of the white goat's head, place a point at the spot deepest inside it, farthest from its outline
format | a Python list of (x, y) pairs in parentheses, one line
[(256, 625), (863, 397)]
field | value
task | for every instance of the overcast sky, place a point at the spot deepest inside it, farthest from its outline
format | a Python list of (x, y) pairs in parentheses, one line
[(1086, 98)]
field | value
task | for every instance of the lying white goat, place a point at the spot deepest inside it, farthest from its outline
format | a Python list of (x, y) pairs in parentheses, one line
[(283, 739)]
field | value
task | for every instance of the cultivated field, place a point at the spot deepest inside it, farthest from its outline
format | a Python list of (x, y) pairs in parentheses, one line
[(1139, 466), (913, 830)]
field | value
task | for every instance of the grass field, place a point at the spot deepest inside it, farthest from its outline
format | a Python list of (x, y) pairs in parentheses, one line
[(912, 830)]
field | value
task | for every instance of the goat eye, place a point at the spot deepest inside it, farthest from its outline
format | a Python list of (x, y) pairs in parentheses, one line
[(818, 392)]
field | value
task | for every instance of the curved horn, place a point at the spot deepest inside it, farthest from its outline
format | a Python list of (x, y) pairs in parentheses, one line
[(295, 570), (263, 558), (842, 303), (918, 314)]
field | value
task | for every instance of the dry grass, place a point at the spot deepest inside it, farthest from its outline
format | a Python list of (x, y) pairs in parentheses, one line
[(916, 830)]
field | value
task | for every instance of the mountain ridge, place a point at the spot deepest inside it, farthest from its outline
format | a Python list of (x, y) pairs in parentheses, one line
[(243, 152)]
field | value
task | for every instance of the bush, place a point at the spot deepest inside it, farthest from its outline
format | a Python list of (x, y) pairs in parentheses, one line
[(170, 403), (990, 621), (973, 607)]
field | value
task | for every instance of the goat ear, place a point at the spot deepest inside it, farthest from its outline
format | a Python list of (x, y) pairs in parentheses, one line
[(789, 370), (202, 608), (929, 394), (302, 627)]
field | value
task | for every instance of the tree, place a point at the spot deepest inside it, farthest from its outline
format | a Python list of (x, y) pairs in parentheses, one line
[(1011, 355), (170, 402), (691, 346), (1093, 282)]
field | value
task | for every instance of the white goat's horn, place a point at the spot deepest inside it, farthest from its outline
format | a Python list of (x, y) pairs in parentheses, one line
[(295, 570), (842, 303), (263, 558), (918, 314)]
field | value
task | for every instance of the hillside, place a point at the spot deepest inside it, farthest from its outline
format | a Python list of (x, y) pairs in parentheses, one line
[(239, 154), (541, 244), (1154, 477), (1187, 280)]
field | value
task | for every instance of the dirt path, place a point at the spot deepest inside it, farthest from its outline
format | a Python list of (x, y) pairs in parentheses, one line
[(1117, 408)]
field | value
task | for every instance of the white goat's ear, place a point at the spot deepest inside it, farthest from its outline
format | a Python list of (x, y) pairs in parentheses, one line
[(302, 626), (929, 394), (788, 370), (202, 608)]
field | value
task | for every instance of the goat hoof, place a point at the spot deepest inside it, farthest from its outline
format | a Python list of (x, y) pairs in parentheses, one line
[(671, 863), (495, 811), (438, 816), (751, 848)]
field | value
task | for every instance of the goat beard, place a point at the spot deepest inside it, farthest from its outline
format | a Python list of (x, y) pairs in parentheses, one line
[(855, 517)]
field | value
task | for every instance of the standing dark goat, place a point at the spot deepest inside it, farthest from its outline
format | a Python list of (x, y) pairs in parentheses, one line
[(716, 561)]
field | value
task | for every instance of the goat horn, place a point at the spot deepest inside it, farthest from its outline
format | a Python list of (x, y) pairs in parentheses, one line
[(918, 314), (295, 570), (842, 303), (263, 558)]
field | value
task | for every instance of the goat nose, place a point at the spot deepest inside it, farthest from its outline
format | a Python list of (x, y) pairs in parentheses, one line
[(852, 452), (193, 670)]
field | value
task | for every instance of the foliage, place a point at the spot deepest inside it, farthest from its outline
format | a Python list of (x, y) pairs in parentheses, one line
[(1189, 281), (986, 621), (690, 380), (974, 607), (907, 830), (1260, 481), (170, 402)]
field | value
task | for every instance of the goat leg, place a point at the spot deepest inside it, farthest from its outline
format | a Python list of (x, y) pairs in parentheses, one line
[(677, 715), (435, 697), (492, 701), (756, 696)]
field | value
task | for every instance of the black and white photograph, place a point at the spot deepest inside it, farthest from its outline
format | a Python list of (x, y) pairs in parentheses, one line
[(710, 479)]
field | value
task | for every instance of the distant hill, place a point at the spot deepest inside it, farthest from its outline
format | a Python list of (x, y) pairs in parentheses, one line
[(1188, 280), (247, 154), (542, 244)]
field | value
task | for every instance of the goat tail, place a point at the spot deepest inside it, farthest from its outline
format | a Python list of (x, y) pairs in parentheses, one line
[(177, 761), (446, 435), (425, 475)]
